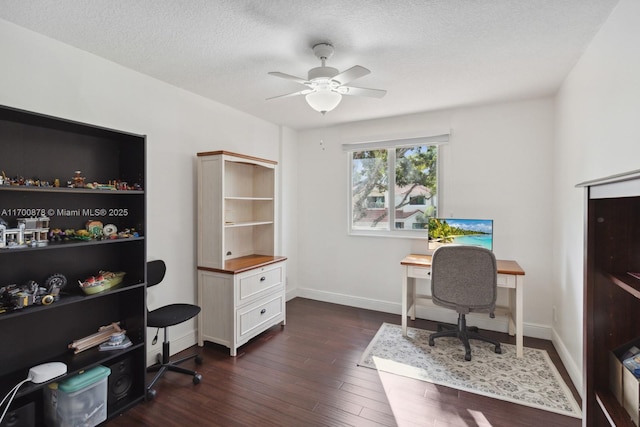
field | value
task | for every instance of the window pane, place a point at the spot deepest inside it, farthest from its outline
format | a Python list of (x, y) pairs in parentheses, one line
[(370, 190), (416, 186)]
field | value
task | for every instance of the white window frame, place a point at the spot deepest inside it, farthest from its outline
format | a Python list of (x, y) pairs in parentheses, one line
[(436, 138)]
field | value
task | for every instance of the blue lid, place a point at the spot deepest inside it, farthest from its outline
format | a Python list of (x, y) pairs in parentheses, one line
[(84, 379)]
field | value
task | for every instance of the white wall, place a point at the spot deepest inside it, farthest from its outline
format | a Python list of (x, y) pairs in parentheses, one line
[(597, 135), (289, 206), (498, 165), (42, 75)]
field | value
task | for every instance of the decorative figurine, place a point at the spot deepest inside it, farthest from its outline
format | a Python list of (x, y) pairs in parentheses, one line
[(14, 297), (78, 180), (95, 229)]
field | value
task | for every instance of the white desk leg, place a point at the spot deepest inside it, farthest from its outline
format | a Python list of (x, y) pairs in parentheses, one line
[(405, 295), (519, 312), (512, 311), (412, 290)]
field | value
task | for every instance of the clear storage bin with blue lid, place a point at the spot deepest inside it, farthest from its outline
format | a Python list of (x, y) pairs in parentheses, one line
[(84, 379), (78, 401)]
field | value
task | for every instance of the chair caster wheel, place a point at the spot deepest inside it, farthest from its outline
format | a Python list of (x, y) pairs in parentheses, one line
[(197, 378), (467, 357), (151, 394), (431, 342), (198, 360), (498, 349)]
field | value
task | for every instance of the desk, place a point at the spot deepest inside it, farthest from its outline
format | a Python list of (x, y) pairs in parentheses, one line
[(510, 276)]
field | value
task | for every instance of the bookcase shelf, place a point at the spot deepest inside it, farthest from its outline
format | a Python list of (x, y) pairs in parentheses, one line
[(46, 151), (241, 282)]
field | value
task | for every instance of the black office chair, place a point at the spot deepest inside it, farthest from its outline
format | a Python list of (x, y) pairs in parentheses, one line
[(164, 317), (464, 278)]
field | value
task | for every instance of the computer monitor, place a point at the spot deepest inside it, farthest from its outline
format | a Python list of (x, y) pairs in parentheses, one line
[(473, 232)]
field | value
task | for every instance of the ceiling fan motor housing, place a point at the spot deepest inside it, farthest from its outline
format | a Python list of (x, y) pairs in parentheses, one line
[(322, 73)]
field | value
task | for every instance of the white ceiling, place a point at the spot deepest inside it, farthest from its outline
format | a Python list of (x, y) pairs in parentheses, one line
[(427, 54)]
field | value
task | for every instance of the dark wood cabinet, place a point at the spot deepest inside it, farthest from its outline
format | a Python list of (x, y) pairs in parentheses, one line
[(611, 294), (36, 153)]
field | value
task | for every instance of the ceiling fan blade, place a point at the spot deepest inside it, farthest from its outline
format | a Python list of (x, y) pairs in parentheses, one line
[(361, 91), (352, 73), (288, 77), (302, 92)]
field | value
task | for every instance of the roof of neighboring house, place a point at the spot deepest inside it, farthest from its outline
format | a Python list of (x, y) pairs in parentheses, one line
[(371, 214), (418, 190)]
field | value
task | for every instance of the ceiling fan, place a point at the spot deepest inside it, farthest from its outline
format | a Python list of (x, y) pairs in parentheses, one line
[(326, 85)]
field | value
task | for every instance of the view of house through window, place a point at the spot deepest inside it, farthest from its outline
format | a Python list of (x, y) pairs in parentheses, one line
[(394, 188)]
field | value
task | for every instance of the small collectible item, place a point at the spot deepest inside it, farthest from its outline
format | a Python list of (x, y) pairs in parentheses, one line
[(29, 232), (78, 180), (110, 231), (14, 297), (95, 229), (101, 282)]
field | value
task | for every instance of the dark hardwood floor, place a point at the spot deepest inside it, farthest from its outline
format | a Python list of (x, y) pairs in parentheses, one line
[(305, 374)]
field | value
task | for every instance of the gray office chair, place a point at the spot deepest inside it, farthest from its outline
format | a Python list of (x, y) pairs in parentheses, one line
[(464, 278)]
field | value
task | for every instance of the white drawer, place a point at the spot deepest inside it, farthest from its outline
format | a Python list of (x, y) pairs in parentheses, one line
[(419, 272), (256, 283), (506, 281), (254, 318)]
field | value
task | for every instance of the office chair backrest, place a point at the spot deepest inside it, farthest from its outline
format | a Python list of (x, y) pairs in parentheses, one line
[(464, 278), (155, 272)]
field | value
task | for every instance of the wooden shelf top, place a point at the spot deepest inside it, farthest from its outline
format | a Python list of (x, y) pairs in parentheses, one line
[(245, 263), (242, 156)]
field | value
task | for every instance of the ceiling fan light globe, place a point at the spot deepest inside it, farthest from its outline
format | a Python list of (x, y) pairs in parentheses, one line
[(324, 100)]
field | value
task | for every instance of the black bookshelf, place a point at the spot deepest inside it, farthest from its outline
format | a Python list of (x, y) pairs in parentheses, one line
[(39, 157)]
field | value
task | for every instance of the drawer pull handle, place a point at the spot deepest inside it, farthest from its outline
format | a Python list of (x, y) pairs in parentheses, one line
[(263, 311), (262, 279)]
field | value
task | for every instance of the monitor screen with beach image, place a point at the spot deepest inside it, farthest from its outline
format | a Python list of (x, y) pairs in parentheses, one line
[(473, 232)]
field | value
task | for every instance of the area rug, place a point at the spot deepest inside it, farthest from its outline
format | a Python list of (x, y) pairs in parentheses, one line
[(532, 380)]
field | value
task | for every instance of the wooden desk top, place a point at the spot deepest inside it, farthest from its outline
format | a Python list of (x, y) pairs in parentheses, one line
[(504, 266)]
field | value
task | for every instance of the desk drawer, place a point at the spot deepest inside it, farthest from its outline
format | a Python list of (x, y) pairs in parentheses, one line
[(253, 319), (256, 283), (419, 272), (506, 281)]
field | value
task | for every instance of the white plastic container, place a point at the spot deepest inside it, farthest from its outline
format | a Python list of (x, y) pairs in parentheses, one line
[(79, 401)]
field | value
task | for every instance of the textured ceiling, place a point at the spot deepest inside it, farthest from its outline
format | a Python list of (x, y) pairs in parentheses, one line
[(427, 54)]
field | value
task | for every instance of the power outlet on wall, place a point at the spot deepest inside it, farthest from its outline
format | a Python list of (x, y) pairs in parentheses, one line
[(555, 314)]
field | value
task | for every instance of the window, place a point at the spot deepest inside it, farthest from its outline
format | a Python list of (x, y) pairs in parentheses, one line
[(417, 200), (394, 189)]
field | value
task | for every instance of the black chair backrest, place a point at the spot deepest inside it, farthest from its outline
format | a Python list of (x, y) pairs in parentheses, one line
[(155, 272)]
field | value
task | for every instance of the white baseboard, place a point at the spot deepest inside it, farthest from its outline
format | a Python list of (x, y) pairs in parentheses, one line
[(342, 299), (177, 345), (439, 314), (572, 369)]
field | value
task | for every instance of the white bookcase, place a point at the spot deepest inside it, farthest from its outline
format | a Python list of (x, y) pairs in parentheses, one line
[(241, 282)]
